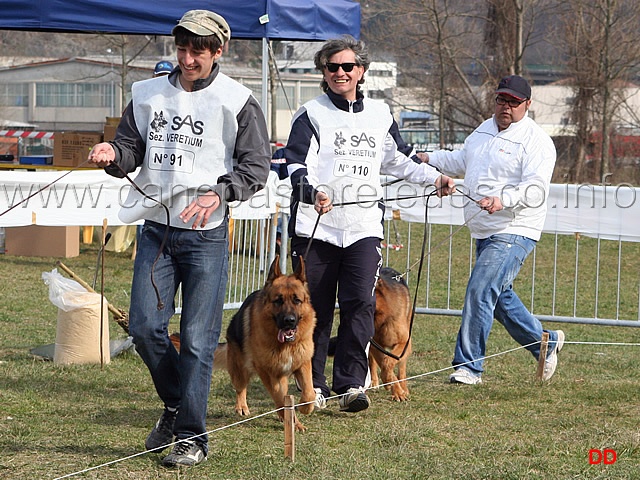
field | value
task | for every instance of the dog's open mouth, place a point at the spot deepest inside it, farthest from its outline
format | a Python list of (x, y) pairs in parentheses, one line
[(288, 335)]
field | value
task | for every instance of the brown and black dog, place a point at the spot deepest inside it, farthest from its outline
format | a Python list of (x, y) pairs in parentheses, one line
[(392, 332), (272, 335), (392, 323)]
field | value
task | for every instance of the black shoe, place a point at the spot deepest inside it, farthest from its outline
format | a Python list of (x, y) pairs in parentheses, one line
[(186, 453), (162, 433), (355, 400)]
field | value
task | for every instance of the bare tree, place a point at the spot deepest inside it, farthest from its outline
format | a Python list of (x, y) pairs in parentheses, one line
[(129, 48), (457, 49), (435, 44), (281, 55), (603, 51)]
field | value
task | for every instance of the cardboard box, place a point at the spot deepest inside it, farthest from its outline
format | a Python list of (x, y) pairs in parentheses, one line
[(71, 149), (39, 241), (112, 121), (109, 133)]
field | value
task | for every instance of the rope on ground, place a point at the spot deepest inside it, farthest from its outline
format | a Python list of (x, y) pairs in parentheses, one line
[(433, 372), (139, 454)]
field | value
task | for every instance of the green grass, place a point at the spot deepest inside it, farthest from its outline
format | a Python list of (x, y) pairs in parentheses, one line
[(58, 420)]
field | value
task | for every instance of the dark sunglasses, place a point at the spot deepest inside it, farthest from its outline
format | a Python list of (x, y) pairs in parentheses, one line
[(346, 67)]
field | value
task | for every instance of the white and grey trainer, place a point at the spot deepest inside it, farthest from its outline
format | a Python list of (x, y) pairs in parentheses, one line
[(551, 362), (464, 376), (186, 453)]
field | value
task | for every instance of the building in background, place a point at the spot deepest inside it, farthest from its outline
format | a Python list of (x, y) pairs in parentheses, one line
[(79, 94)]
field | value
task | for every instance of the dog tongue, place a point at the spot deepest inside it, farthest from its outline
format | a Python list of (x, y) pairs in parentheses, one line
[(286, 335)]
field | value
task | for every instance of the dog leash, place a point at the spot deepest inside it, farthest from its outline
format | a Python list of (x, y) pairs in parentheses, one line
[(163, 243), (415, 295), (160, 304), (44, 188), (447, 238), (344, 204), (396, 199), (423, 254)]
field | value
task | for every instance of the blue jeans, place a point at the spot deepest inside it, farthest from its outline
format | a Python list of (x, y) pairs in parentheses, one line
[(490, 294), (199, 261)]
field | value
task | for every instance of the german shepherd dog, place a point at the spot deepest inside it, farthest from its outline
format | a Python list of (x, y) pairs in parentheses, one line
[(272, 335), (392, 324)]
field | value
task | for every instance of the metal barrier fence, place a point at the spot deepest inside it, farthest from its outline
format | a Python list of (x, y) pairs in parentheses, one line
[(567, 278)]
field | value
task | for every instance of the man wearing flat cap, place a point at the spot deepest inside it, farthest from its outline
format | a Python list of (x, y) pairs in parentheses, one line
[(507, 163), (200, 141)]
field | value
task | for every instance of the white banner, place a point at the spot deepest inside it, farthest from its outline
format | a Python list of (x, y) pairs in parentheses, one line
[(607, 211), (86, 197)]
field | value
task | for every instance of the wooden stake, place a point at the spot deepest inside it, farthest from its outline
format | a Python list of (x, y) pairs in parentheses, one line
[(289, 428), (544, 346), (120, 316), (103, 243)]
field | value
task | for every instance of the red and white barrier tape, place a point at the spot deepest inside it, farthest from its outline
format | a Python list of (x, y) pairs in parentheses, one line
[(25, 134)]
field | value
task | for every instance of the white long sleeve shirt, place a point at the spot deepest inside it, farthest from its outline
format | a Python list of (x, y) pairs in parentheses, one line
[(515, 165)]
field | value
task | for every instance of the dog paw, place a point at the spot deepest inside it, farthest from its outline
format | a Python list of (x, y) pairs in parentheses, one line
[(400, 395), (300, 427), (306, 409), (243, 410)]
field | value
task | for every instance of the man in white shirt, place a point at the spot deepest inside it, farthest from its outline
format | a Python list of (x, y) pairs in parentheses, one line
[(507, 163)]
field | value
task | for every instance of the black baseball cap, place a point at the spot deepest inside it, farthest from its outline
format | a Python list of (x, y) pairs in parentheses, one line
[(515, 86)]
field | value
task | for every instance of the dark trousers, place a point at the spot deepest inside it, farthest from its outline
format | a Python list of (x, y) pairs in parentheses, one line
[(351, 271)]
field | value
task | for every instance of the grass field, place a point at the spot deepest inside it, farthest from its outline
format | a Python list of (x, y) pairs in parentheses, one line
[(56, 420)]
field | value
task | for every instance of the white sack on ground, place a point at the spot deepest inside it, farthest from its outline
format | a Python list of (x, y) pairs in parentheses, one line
[(79, 327)]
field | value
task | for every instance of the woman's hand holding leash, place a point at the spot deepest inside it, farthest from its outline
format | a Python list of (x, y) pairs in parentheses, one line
[(445, 186), (323, 203)]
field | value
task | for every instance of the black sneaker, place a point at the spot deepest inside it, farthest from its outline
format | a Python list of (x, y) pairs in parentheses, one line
[(162, 433), (186, 453), (355, 400)]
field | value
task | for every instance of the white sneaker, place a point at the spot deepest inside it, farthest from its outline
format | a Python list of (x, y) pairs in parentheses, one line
[(551, 362), (355, 400), (462, 375), (321, 402)]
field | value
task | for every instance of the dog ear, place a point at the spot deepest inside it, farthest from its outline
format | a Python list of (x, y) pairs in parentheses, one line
[(300, 271), (274, 271)]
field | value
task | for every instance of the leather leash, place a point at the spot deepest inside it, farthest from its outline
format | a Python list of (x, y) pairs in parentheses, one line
[(160, 304), (420, 262)]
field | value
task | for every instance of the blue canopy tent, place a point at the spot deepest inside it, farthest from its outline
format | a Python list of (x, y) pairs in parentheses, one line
[(249, 19)]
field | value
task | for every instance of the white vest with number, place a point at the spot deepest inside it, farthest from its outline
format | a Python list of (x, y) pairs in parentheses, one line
[(348, 162), (190, 139)]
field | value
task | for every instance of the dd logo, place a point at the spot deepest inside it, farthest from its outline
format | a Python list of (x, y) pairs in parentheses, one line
[(607, 456)]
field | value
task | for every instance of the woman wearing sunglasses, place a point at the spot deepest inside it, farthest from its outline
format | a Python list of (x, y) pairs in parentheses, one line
[(340, 143)]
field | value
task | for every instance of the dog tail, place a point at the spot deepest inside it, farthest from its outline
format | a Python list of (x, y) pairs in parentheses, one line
[(219, 356)]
